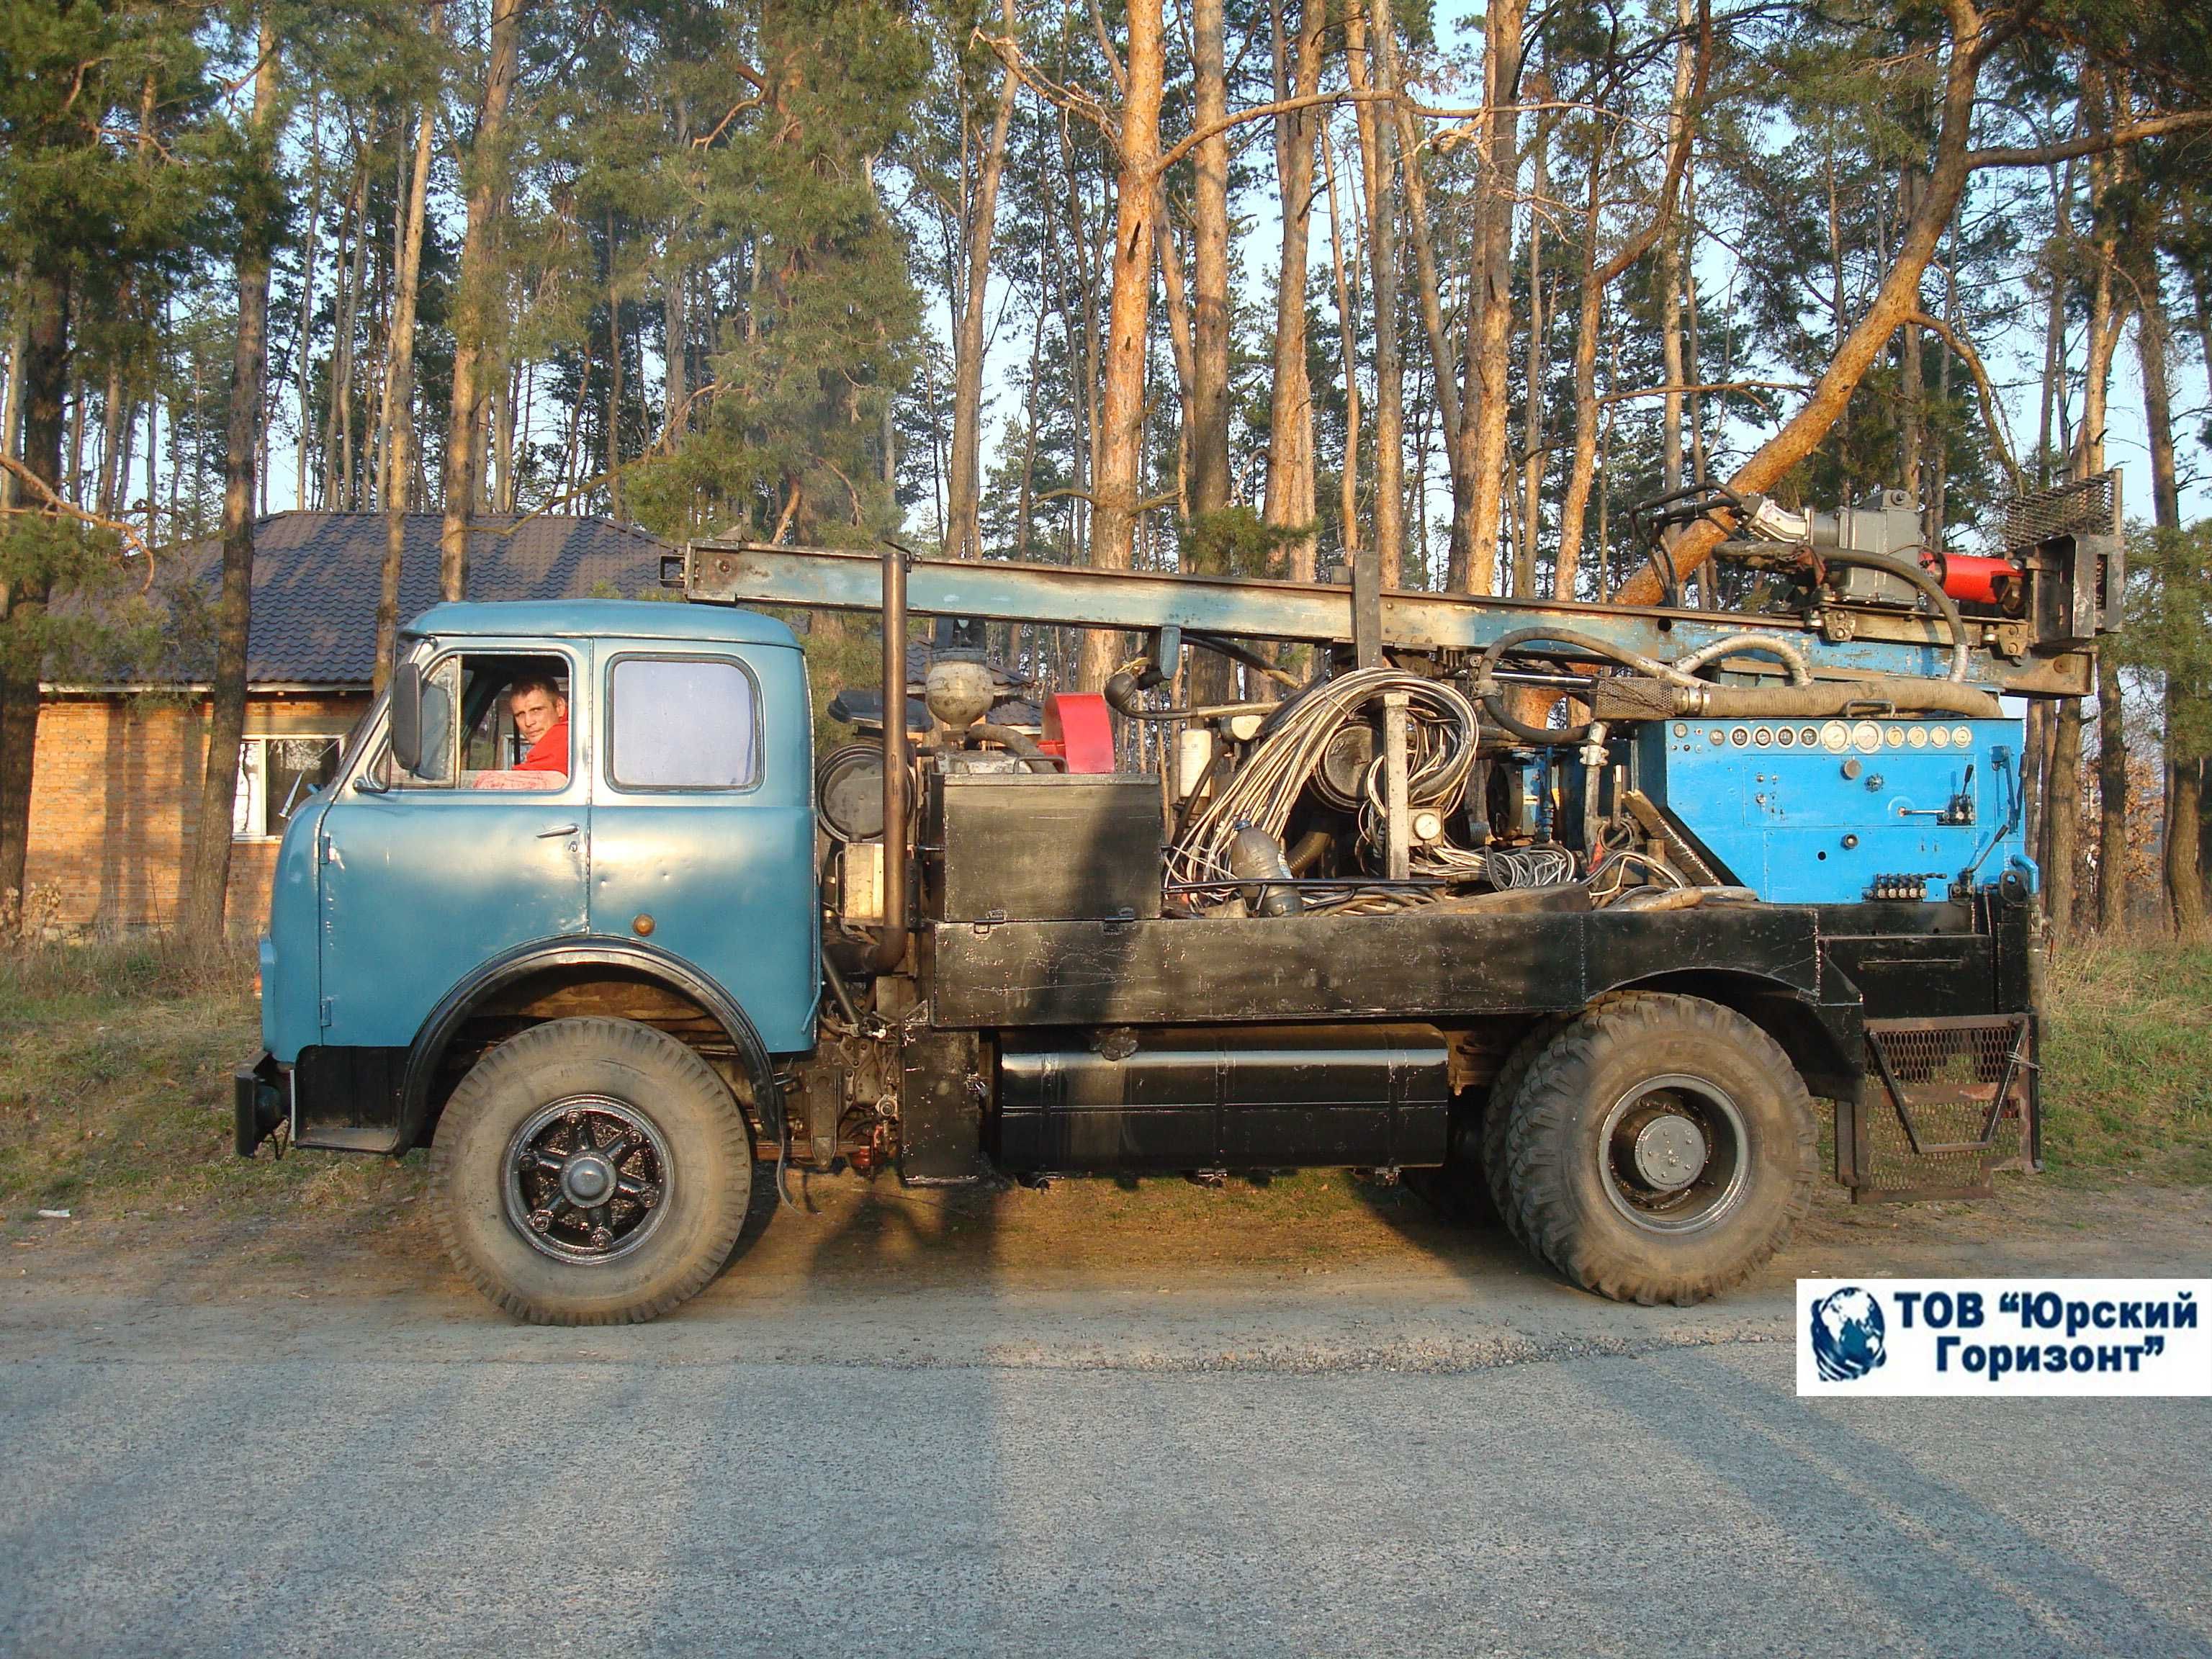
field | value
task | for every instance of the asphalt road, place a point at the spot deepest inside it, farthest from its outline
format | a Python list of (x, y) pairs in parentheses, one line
[(1253, 1465)]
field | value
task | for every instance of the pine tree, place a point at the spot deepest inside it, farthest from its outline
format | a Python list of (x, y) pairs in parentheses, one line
[(83, 212)]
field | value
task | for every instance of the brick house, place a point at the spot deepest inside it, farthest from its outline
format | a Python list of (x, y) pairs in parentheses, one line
[(116, 780)]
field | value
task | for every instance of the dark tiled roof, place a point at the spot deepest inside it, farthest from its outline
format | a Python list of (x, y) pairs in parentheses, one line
[(317, 577)]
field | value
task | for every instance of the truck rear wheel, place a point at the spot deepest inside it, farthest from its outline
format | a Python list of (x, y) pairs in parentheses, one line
[(1496, 1115), (591, 1172), (1658, 1149)]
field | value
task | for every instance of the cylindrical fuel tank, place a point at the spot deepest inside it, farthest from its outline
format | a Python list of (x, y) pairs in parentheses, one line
[(1152, 1100)]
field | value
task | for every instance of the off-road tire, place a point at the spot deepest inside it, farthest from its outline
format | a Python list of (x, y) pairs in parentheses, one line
[(1496, 1113), (709, 1186), (1553, 1163)]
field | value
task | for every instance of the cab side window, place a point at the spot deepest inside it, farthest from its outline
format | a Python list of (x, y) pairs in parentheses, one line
[(491, 721), (682, 723), (439, 767)]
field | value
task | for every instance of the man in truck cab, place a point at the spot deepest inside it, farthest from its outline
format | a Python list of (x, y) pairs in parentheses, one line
[(541, 720)]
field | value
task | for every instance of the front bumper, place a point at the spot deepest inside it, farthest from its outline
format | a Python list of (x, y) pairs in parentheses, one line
[(262, 1100)]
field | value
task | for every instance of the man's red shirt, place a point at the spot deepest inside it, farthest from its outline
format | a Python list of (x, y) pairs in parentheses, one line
[(551, 752)]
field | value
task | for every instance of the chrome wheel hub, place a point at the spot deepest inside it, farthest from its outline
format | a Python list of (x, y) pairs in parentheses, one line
[(587, 1178), (1673, 1154), (1669, 1152)]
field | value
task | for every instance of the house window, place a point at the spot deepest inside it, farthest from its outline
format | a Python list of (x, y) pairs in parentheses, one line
[(275, 774)]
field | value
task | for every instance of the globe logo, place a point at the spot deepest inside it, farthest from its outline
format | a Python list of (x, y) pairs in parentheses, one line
[(1850, 1336)]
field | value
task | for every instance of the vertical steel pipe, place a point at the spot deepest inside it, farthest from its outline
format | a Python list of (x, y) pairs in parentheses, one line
[(890, 944)]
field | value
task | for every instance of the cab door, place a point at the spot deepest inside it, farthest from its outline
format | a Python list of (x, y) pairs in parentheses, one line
[(703, 821), (426, 876)]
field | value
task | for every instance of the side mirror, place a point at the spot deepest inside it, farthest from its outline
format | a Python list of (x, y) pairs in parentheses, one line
[(407, 716)]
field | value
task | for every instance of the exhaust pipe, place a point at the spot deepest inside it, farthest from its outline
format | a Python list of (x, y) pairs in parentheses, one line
[(890, 944)]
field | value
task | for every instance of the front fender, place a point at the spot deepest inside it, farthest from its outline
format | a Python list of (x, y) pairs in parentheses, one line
[(444, 1021)]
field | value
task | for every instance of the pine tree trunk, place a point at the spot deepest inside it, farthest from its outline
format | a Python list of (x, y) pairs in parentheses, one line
[(1490, 345), (2062, 819), (1025, 511), (615, 364), (111, 440), (2112, 795), (209, 885), (1290, 499), (1206, 425), (1116, 488), (505, 442), (2054, 327), (1378, 177), (342, 493), (398, 421), (1939, 494), (1670, 339), (2184, 875), (1176, 292), (1348, 480), (1670, 271), (1581, 464), (73, 477), (676, 331), (1694, 365), (1443, 360), (2062, 812), (473, 310), (1913, 438), (11, 407), (1531, 516), (1209, 445), (964, 489), (307, 271), (43, 364)]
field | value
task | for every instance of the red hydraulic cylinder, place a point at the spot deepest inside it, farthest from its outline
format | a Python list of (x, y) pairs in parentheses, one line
[(1976, 580)]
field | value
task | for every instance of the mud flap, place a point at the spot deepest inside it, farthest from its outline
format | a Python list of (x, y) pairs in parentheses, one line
[(1944, 1104)]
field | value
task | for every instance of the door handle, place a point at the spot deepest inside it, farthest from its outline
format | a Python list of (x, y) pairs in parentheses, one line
[(558, 830)]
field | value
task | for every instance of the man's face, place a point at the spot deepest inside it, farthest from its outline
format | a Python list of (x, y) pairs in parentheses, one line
[(535, 713)]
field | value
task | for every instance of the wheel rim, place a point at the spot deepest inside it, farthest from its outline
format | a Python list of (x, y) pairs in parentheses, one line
[(1673, 1155), (588, 1179)]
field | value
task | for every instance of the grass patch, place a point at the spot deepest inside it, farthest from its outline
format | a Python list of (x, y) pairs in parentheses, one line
[(115, 1099), (2127, 1081)]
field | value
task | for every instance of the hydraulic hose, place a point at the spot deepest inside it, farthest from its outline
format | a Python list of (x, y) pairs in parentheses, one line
[(1016, 742), (1826, 698), (1621, 698), (1493, 698), (1791, 659), (1945, 604), (1124, 697)]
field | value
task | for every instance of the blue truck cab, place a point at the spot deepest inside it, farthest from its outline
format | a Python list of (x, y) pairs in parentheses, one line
[(677, 848)]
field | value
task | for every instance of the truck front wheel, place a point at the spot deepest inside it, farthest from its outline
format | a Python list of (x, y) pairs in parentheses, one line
[(1658, 1149), (591, 1172)]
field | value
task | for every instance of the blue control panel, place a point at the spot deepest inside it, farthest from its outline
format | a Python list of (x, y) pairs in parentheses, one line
[(1835, 811)]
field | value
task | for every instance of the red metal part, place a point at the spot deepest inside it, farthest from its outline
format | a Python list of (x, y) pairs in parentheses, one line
[(1979, 580), (1078, 727)]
